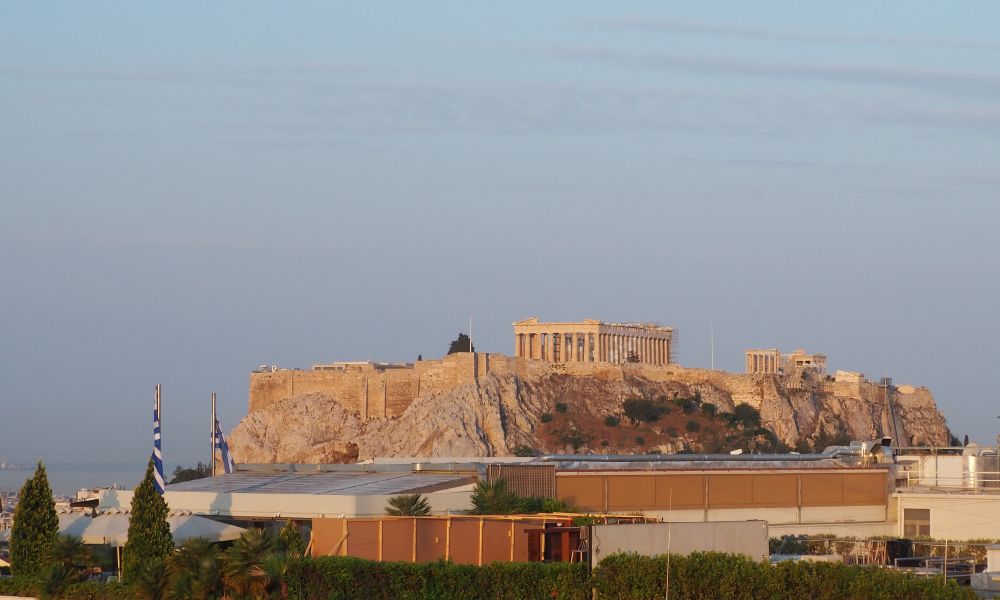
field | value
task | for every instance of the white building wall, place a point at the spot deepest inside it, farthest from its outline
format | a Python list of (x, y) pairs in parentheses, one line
[(954, 516)]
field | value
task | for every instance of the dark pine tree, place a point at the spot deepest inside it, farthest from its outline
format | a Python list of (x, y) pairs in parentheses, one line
[(462, 344), (149, 539), (36, 525)]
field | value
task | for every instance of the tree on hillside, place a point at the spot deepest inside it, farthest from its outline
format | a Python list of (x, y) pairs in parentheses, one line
[(182, 474), (36, 525), (461, 344), (408, 505), (149, 539)]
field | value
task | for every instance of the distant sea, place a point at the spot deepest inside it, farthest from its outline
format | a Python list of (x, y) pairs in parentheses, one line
[(67, 478)]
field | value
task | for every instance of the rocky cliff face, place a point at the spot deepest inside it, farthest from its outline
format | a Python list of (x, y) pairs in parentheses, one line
[(573, 413)]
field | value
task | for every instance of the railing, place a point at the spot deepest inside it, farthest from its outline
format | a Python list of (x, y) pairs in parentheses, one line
[(978, 482)]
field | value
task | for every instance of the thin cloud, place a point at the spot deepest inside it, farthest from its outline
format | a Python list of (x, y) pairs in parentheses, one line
[(318, 106), (684, 26), (937, 80)]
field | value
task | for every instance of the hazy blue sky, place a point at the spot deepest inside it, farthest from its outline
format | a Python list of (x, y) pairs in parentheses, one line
[(193, 189)]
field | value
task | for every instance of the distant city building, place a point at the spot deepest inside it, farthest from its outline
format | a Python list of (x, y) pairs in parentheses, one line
[(772, 361), (849, 377), (591, 341), (360, 365)]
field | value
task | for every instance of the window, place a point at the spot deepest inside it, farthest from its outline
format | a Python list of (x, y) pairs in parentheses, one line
[(916, 522)]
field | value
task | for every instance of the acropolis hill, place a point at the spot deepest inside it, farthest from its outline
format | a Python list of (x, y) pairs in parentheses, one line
[(564, 385)]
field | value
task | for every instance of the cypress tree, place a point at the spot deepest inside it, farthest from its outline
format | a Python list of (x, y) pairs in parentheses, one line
[(36, 525), (149, 539)]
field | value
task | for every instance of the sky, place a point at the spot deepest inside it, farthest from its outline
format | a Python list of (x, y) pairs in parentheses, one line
[(190, 190)]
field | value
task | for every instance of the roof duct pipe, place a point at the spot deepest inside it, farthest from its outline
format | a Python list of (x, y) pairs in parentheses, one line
[(856, 449), (684, 457)]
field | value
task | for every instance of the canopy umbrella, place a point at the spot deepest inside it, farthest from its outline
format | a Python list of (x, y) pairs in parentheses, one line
[(185, 527), (111, 529), (73, 524)]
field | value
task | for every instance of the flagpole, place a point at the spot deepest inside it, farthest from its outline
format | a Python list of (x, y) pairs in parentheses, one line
[(159, 418), (213, 435), (159, 412)]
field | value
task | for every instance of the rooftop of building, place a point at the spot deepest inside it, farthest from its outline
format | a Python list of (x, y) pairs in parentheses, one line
[(325, 482)]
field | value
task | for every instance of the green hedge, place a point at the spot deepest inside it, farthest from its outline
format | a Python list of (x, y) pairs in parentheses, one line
[(710, 576), (699, 576), (88, 590), (344, 578)]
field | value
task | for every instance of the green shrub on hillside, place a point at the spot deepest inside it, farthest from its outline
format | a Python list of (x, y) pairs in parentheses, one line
[(644, 410)]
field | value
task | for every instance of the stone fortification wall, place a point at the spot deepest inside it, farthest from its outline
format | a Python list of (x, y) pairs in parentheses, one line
[(375, 392)]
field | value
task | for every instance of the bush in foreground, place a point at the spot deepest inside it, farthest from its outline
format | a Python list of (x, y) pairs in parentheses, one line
[(701, 576), (347, 578), (88, 590)]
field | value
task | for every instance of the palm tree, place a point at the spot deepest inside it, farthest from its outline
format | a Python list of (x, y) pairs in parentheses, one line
[(272, 572), (64, 557), (408, 505), (152, 581), (196, 571), (242, 567), (55, 579), (494, 498), (68, 551)]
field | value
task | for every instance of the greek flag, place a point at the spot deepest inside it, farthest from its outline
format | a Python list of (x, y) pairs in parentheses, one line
[(157, 451), (223, 448)]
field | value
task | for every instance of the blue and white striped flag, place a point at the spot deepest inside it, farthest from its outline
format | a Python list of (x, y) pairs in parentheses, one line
[(157, 451), (223, 448)]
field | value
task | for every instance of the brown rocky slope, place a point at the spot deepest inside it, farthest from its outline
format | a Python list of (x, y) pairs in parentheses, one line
[(695, 410)]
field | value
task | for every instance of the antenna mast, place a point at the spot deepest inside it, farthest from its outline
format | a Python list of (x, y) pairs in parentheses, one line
[(711, 340)]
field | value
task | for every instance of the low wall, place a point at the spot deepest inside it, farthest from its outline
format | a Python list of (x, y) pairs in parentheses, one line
[(748, 538), (461, 540)]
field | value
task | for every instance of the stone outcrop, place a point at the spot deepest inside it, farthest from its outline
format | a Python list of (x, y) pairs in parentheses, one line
[(503, 411)]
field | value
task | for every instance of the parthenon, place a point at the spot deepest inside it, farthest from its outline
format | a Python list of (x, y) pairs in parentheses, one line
[(593, 341)]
